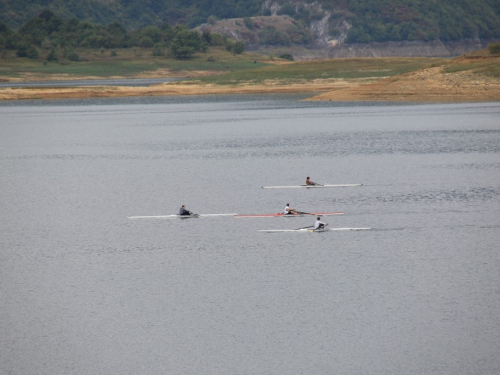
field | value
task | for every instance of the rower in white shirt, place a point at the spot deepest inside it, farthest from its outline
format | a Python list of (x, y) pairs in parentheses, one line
[(288, 210), (319, 224)]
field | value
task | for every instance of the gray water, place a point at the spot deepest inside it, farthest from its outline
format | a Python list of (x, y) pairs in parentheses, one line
[(137, 82), (84, 290)]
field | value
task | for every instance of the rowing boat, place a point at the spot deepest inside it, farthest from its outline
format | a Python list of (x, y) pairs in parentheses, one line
[(309, 186), (178, 216), (294, 215), (309, 230)]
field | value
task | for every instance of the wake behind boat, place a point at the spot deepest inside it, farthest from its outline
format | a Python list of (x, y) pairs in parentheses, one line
[(300, 214), (309, 186), (178, 216), (310, 230)]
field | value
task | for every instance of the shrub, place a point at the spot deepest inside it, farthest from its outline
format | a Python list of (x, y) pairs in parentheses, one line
[(288, 10), (216, 39), (158, 49), (146, 42), (212, 20), (494, 48), (238, 48), (27, 51), (72, 56), (186, 43), (286, 56), (52, 56), (249, 23)]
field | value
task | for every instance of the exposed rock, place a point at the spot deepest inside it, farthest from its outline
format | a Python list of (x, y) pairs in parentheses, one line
[(322, 44)]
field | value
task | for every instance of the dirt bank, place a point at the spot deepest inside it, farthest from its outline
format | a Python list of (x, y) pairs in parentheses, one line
[(426, 85), (176, 88)]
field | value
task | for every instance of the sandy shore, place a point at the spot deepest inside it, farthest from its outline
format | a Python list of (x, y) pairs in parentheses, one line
[(173, 88), (425, 85)]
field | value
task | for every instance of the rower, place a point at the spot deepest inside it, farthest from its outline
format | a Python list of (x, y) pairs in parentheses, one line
[(309, 182), (319, 224), (184, 212), (288, 210)]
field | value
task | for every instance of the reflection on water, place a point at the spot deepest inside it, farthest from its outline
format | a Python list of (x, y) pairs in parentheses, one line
[(85, 290)]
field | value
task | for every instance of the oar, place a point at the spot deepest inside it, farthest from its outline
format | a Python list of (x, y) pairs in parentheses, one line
[(312, 226), (304, 213)]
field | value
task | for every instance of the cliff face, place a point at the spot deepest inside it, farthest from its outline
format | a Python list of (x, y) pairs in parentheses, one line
[(257, 32)]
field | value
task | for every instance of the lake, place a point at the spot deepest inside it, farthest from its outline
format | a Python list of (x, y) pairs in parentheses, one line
[(133, 82), (85, 290)]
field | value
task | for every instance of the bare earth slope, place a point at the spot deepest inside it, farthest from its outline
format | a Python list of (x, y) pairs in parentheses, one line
[(461, 80)]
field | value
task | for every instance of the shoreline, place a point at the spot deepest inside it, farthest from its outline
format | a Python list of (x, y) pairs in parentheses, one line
[(424, 85), (169, 89)]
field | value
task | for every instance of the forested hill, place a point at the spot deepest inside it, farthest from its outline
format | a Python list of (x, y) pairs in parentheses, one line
[(355, 20), (130, 13)]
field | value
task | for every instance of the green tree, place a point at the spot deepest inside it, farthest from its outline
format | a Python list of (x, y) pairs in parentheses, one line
[(238, 48), (72, 56), (152, 32), (28, 51), (286, 56), (249, 23), (146, 42), (158, 49), (494, 48), (52, 56), (185, 44), (4, 29), (288, 9), (216, 39)]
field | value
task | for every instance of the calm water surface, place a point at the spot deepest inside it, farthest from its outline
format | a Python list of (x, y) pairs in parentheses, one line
[(84, 290), (91, 82)]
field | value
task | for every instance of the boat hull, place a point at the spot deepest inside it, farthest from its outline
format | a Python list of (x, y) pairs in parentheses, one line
[(178, 216), (309, 186), (294, 215), (309, 230)]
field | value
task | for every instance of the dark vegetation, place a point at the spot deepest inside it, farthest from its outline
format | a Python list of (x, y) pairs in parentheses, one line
[(132, 13), (372, 20), (395, 20), (57, 38), (494, 48)]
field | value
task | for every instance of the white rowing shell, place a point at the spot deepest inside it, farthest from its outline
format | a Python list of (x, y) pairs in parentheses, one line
[(309, 186), (309, 230)]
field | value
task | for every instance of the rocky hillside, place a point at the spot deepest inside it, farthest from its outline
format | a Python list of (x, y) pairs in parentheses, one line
[(282, 34), (256, 32), (334, 28)]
